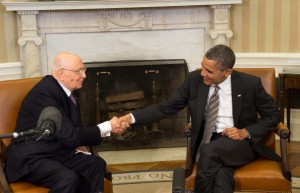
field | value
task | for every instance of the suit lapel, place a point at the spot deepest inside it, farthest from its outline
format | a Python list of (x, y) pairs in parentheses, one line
[(237, 91), (201, 103)]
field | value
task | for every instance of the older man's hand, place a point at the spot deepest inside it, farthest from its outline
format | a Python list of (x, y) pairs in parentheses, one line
[(123, 123), (118, 126)]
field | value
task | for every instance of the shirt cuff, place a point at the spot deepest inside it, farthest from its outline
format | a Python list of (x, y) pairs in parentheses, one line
[(249, 137), (132, 118), (105, 129)]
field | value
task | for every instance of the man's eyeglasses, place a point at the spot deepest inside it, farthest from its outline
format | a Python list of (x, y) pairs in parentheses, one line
[(78, 71)]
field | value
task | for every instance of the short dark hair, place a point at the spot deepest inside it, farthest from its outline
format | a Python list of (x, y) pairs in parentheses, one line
[(223, 54)]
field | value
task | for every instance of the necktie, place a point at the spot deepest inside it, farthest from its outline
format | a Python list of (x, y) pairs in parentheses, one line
[(73, 99), (211, 118)]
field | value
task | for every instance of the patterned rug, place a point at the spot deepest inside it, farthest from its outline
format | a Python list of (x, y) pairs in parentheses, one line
[(143, 182), (156, 182)]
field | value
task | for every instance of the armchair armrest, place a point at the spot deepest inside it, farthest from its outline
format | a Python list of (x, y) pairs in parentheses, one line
[(283, 132), (3, 182), (4, 185), (189, 158)]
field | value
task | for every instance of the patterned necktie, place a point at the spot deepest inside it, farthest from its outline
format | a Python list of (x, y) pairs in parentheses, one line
[(211, 118), (73, 99)]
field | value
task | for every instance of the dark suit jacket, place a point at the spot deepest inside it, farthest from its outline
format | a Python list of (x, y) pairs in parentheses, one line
[(24, 151), (248, 99)]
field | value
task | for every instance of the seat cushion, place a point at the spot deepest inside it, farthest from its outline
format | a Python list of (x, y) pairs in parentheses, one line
[(24, 187), (260, 175)]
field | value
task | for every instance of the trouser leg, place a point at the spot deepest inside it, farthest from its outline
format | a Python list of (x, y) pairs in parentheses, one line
[(214, 156), (53, 175), (224, 181), (91, 170), (80, 173)]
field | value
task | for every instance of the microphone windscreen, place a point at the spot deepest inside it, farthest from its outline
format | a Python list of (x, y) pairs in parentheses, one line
[(178, 183), (50, 114)]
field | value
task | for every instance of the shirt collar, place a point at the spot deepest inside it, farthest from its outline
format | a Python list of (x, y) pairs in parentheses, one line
[(226, 84), (67, 91)]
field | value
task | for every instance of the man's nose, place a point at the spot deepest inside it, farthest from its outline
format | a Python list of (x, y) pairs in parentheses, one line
[(83, 75), (203, 73)]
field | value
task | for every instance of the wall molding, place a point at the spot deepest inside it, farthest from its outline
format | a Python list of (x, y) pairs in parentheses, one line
[(11, 71), (109, 4), (282, 62)]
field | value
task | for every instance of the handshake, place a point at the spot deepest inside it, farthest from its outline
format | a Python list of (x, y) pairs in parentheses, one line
[(119, 125)]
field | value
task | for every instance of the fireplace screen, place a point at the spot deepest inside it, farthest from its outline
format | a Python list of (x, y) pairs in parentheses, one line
[(117, 88)]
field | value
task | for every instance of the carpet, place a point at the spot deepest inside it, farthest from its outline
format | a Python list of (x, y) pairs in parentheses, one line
[(156, 182), (143, 182)]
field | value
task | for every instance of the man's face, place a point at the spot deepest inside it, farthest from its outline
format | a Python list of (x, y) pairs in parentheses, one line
[(211, 73), (73, 73)]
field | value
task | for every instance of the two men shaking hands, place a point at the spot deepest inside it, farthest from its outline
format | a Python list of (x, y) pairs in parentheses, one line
[(119, 125)]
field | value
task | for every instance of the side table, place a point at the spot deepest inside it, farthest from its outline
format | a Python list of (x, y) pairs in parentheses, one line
[(288, 81)]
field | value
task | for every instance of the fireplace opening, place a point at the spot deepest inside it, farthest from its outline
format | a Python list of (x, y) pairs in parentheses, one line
[(120, 87)]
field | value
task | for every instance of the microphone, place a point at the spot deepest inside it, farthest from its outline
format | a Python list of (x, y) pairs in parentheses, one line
[(178, 182), (48, 123), (18, 134)]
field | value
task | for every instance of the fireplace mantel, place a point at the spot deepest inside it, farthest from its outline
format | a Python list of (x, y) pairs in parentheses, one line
[(119, 30), (110, 4)]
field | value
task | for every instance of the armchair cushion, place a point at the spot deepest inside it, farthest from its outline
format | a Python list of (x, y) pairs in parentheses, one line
[(265, 175), (260, 175), (24, 187)]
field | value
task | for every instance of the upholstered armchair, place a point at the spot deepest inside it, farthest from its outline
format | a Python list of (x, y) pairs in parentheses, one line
[(12, 93), (261, 175)]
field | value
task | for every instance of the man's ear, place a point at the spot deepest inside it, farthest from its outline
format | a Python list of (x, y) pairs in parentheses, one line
[(228, 72), (58, 74)]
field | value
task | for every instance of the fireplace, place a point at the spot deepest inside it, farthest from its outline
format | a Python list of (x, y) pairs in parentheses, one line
[(117, 88)]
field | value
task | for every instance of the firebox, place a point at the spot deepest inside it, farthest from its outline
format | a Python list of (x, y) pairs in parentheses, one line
[(120, 87)]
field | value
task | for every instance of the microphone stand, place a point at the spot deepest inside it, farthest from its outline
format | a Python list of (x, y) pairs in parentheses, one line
[(18, 134)]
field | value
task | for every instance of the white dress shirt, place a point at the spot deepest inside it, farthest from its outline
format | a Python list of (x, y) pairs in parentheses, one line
[(105, 127), (225, 118)]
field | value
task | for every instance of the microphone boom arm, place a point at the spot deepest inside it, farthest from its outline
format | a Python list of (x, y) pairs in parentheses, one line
[(18, 134)]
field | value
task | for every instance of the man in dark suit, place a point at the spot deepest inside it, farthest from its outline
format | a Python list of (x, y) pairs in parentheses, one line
[(58, 162), (238, 132)]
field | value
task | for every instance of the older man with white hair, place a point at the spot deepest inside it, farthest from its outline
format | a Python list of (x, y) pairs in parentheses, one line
[(56, 162)]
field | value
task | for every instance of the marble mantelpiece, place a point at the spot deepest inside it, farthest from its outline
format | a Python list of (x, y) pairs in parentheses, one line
[(110, 4), (119, 30)]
